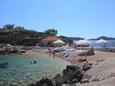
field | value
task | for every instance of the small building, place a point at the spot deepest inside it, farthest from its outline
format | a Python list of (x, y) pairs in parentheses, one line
[(49, 40)]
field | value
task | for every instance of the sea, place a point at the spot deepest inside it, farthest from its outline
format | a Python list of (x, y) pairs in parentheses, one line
[(20, 70), (110, 43)]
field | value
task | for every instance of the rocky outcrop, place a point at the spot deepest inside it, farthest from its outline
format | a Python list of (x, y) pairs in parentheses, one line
[(86, 66), (71, 75), (43, 82)]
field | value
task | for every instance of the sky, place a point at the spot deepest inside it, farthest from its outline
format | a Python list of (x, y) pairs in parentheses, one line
[(73, 18)]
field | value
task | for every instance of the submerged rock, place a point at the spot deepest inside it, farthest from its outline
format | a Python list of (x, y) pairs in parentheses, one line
[(14, 84), (45, 82), (71, 75), (32, 84), (42, 82)]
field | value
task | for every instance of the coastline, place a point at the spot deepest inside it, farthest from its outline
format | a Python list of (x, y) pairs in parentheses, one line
[(102, 70), (98, 55), (43, 52)]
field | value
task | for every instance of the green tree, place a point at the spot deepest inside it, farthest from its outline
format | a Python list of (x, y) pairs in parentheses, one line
[(8, 27), (19, 28), (66, 39), (51, 32)]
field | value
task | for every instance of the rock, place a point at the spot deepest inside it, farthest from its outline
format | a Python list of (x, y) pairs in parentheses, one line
[(58, 83), (14, 84), (42, 82), (86, 66), (1, 83), (72, 72), (84, 80), (71, 75), (57, 77), (45, 82), (72, 67), (67, 82), (65, 85), (112, 74), (74, 81), (32, 84), (100, 60), (68, 74)]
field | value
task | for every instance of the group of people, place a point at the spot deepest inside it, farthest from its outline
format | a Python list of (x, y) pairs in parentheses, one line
[(82, 55)]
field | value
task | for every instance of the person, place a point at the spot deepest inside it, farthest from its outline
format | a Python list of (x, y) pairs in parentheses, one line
[(83, 58), (33, 62), (92, 51), (53, 52), (49, 51)]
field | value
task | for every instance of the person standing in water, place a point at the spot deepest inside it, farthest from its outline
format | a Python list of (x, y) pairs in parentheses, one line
[(49, 51), (53, 52)]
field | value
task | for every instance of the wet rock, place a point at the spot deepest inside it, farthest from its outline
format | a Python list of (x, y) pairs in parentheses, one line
[(58, 83), (73, 72), (58, 80), (45, 82), (32, 84), (1, 83), (71, 75), (58, 77), (14, 84)]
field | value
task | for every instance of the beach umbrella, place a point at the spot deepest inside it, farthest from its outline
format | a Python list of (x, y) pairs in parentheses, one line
[(59, 42), (9, 46), (82, 42), (102, 41)]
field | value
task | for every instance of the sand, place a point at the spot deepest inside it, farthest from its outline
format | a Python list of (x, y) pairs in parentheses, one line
[(103, 71)]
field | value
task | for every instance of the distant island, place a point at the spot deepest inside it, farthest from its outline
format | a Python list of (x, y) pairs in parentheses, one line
[(19, 35), (76, 38), (103, 37)]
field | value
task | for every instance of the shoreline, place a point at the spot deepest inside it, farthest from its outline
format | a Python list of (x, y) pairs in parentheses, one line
[(43, 53), (103, 65), (98, 55), (103, 62)]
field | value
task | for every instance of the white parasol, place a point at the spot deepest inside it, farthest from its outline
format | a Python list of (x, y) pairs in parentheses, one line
[(102, 41), (59, 42)]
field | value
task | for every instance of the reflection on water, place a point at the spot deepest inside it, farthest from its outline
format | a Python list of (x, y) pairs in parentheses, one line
[(21, 71)]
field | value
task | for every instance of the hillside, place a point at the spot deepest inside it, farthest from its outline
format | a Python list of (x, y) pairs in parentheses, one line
[(104, 37)]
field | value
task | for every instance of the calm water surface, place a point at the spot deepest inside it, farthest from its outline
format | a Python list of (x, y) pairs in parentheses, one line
[(21, 71)]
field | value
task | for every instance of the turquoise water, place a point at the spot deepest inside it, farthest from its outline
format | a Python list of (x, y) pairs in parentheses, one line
[(21, 71)]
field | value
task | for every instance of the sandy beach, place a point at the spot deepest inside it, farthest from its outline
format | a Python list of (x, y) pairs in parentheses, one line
[(101, 74)]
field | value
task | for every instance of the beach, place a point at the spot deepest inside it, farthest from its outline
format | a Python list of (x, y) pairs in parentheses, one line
[(20, 69), (102, 72)]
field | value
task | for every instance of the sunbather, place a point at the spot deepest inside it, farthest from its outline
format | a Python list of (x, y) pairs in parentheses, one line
[(87, 53)]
